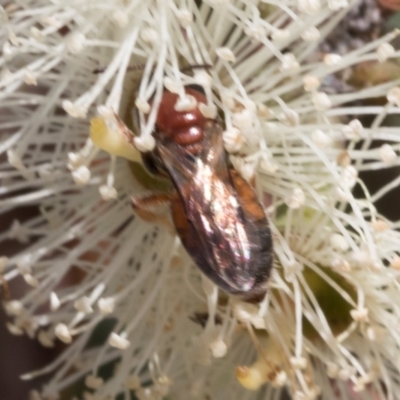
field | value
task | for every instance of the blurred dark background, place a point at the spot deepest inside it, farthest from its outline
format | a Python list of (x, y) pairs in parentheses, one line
[(18, 354)]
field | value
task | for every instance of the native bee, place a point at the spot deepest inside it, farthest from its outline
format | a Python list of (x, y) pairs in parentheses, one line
[(216, 213)]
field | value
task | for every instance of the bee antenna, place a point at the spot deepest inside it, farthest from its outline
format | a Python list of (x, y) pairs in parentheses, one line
[(134, 67), (196, 66), (141, 66)]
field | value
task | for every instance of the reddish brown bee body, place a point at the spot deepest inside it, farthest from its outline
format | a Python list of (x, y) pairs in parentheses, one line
[(184, 128), (215, 211), (173, 123)]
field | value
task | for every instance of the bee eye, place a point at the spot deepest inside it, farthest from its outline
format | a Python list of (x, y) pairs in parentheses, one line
[(151, 164)]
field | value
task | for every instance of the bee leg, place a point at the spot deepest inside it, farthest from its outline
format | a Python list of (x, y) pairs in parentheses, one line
[(247, 197), (266, 198), (145, 207)]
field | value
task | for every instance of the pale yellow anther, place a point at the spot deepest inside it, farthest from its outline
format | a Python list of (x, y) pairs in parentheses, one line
[(112, 138)]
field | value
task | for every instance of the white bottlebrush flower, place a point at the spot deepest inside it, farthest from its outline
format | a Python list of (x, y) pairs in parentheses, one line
[(330, 321)]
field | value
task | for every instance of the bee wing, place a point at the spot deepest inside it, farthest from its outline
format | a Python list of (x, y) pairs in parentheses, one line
[(182, 165), (218, 230), (197, 244)]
